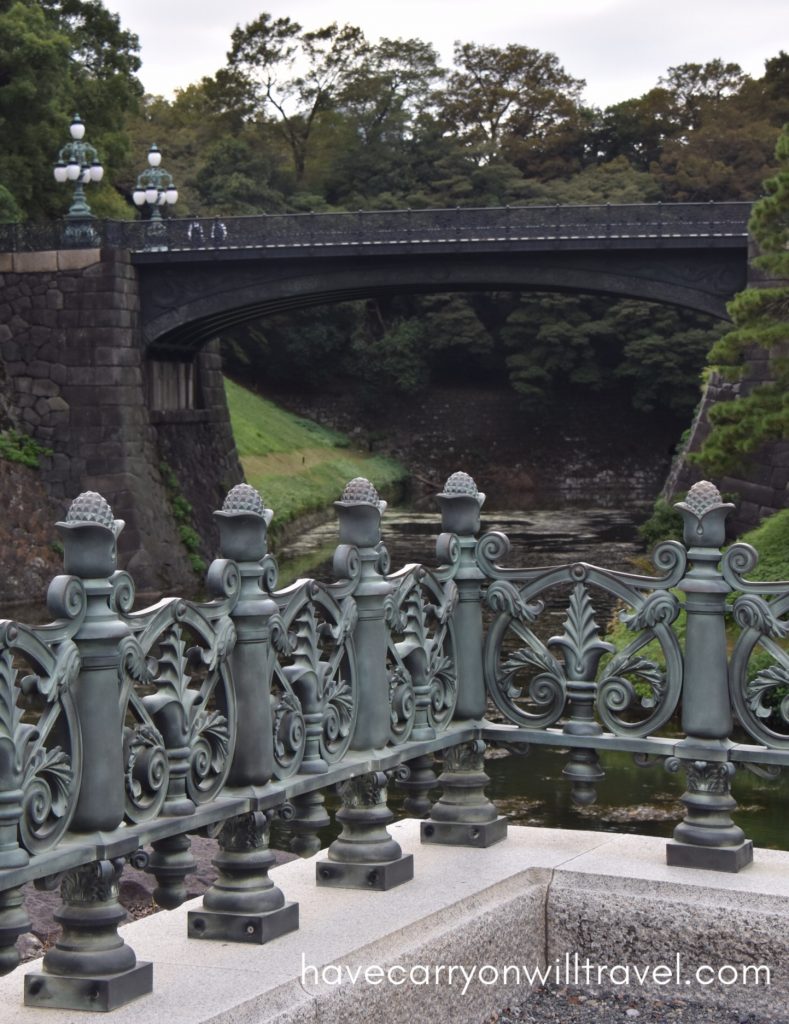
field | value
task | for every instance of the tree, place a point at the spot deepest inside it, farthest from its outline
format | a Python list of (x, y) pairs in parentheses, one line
[(616, 181), (380, 112), (545, 344), (393, 85), (58, 57), (697, 88), (663, 351), (641, 353), (9, 210), (33, 59), (295, 350), (223, 163), (514, 93), (294, 74), (729, 150), (636, 129), (740, 426)]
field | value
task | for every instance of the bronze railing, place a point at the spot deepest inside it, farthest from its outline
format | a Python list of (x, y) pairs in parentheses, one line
[(123, 731)]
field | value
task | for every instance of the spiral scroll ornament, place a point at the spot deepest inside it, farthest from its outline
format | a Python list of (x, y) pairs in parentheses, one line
[(290, 734), (315, 680), (634, 693), (421, 659), (38, 718), (759, 665), (178, 706), (527, 683)]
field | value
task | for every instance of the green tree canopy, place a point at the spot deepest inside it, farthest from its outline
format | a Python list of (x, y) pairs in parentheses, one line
[(761, 322), (293, 74), (498, 95), (697, 88), (58, 57)]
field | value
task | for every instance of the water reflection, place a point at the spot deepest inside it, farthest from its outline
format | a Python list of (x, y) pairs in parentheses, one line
[(531, 791), (605, 536)]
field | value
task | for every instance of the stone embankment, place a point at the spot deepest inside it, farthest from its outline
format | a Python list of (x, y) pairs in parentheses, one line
[(574, 452), (29, 552), (762, 485), (77, 377)]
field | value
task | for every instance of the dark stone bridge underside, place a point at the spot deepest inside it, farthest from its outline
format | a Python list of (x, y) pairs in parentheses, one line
[(187, 298)]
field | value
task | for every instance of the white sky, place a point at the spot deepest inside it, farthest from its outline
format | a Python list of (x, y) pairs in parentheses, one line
[(620, 47)]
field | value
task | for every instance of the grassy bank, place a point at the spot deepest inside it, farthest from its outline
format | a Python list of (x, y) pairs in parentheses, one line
[(771, 540), (298, 466)]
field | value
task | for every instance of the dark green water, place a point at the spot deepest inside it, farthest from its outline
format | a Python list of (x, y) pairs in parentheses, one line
[(531, 791)]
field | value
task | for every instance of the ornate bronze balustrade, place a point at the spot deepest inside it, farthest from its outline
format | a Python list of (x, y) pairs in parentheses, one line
[(123, 732)]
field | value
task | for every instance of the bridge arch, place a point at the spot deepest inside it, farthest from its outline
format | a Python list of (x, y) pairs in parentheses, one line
[(194, 302), (214, 274)]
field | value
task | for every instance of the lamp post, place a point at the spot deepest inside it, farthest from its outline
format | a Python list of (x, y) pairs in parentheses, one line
[(79, 162), (156, 189)]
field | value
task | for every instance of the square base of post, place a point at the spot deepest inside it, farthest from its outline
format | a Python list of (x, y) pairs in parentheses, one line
[(108, 992), (712, 858), (254, 928), (457, 833), (383, 876)]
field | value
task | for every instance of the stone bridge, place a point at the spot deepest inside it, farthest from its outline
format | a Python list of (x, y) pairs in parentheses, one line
[(110, 358), (199, 277)]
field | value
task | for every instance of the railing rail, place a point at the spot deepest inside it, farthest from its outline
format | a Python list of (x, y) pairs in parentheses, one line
[(123, 731), (415, 228)]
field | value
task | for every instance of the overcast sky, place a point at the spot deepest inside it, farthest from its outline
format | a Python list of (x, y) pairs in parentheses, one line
[(620, 47)]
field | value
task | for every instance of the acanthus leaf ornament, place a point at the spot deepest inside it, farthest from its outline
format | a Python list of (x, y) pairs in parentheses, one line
[(43, 770), (766, 682), (581, 638)]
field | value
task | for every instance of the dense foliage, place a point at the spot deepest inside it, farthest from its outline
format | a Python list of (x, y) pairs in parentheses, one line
[(300, 119), (58, 57), (761, 315)]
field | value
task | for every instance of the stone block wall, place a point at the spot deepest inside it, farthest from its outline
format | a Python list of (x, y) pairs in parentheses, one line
[(198, 446), (74, 378), (762, 486)]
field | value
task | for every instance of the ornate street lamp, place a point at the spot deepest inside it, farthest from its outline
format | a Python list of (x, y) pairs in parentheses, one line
[(79, 162), (156, 189)]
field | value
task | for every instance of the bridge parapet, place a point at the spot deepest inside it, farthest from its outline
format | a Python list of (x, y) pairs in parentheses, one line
[(441, 227), (123, 729)]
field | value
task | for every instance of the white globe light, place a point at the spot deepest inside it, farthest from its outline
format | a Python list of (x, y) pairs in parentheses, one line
[(77, 128), (85, 175), (73, 170), (60, 172), (96, 171), (151, 195), (154, 156), (172, 195), (138, 195)]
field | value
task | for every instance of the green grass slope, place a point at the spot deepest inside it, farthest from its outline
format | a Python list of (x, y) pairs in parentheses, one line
[(771, 540), (298, 466)]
